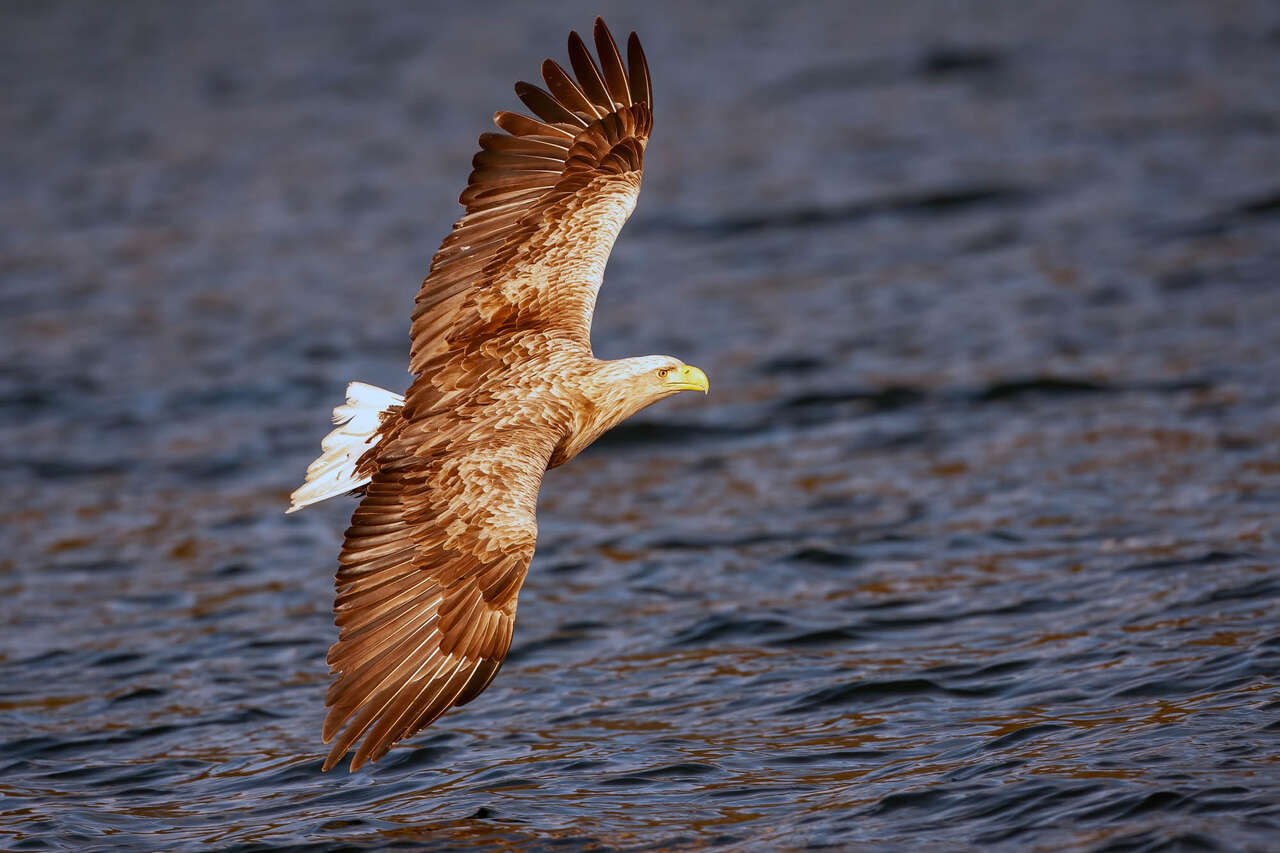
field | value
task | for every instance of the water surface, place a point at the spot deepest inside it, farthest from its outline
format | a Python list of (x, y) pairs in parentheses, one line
[(973, 544)]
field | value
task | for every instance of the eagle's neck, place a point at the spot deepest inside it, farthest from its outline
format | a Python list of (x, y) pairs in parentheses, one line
[(604, 396)]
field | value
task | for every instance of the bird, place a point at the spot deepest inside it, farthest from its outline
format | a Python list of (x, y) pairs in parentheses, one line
[(504, 386)]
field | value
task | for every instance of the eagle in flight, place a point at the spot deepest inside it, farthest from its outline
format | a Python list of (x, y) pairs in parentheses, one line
[(505, 386)]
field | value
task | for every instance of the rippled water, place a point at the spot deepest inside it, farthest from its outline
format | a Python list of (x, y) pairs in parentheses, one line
[(974, 543)]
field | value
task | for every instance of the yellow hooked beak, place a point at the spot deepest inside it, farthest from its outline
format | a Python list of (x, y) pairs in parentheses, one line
[(688, 378)]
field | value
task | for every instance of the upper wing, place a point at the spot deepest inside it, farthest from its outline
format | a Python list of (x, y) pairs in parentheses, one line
[(427, 582), (544, 204)]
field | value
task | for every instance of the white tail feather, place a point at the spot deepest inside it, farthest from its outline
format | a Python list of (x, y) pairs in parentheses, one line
[(334, 473)]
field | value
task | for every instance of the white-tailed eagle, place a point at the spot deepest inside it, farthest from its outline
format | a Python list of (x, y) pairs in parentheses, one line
[(505, 386)]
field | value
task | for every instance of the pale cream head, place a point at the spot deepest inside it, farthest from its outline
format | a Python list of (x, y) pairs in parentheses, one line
[(650, 378)]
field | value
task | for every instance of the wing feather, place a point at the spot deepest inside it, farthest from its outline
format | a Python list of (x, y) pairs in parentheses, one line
[(567, 92), (434, 692), (587, 71), (517, 161), (480, 679), (546, 107), (615, 73), (568, 178), (522, 145), (416, 629), (638, 72), (521, 125)]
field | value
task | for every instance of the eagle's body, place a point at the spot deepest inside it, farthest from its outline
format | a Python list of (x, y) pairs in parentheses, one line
[(505, 386)]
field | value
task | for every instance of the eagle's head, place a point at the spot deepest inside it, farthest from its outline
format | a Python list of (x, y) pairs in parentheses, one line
[(619, 389), (652, 377)]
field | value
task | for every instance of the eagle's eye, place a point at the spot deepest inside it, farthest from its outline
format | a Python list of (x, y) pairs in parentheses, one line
[(662, 374)]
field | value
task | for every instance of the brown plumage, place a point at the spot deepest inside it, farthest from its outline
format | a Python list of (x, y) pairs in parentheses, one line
[(505, 386)]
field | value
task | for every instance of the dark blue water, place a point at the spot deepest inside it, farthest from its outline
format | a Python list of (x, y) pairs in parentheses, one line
[(975, 542)]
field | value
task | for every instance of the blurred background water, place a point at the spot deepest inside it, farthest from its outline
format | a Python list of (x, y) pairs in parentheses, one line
[(974, 542)]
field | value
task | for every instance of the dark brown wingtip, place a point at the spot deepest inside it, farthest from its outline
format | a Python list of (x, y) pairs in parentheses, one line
[(588, 73), (615, 74), (518, 124), (567, 92), (546, 106), (638, 72)]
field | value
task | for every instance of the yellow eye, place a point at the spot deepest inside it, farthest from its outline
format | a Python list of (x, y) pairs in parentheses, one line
[(662, 374)]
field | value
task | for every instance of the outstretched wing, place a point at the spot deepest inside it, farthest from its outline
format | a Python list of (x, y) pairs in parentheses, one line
[(427, 582), (544, 204)]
